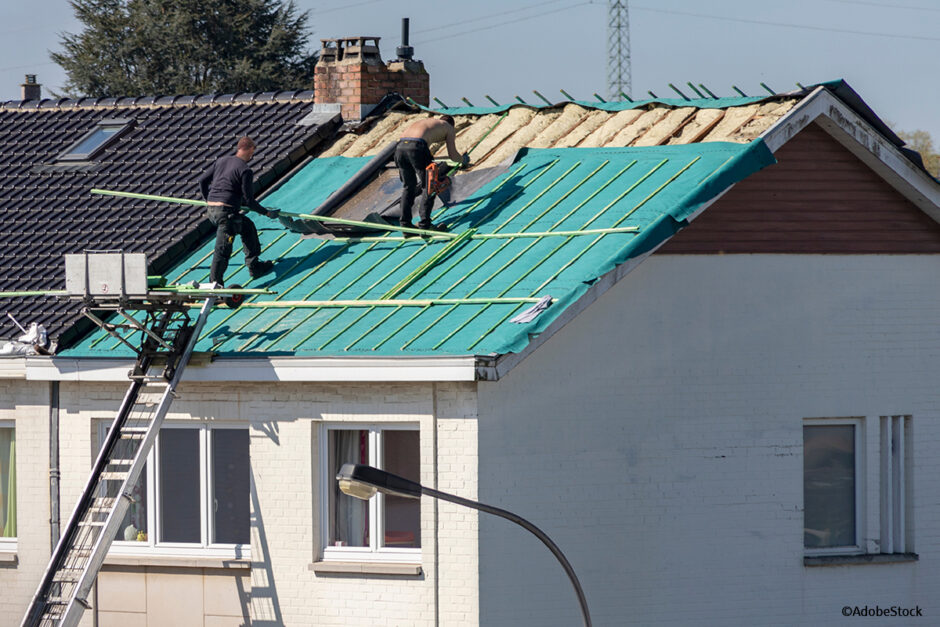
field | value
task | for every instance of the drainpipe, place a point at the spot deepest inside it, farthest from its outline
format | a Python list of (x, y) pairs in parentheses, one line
[(54, 463)]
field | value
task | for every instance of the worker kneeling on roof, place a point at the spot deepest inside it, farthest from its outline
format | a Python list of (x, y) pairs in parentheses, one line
[(413, 156), (227, 186)]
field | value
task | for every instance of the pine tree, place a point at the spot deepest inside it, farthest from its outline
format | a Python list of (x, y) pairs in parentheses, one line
[(150, 47)]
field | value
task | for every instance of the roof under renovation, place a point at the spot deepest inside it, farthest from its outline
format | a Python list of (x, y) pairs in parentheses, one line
[(515, 243), (556, 197)]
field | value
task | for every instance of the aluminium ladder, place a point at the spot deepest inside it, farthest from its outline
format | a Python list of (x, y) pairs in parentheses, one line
[(167, 333)]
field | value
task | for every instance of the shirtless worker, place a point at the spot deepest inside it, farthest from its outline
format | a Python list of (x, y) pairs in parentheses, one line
[(412, 156), (226, 186)]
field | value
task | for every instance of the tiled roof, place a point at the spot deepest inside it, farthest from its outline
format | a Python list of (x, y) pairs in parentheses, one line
[(46, 210), (654, 189)]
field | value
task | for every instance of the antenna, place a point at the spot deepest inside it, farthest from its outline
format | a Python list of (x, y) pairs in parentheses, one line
[(618, 49)]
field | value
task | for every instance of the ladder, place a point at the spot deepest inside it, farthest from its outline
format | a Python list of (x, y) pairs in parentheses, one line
[(168, 333)]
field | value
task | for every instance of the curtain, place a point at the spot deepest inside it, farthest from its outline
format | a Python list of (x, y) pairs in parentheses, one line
[(349, 515), (7, 483)]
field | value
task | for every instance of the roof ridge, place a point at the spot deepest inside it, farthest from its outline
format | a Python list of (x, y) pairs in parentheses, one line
[(180, 100)]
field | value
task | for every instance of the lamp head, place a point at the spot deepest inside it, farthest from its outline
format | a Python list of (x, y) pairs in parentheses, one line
[(363, 482)]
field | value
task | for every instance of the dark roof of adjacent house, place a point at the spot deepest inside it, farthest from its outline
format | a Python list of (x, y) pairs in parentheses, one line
[(153, 145)]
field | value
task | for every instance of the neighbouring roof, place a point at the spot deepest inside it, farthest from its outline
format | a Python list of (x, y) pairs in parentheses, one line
[(654, 189), (46, 209)]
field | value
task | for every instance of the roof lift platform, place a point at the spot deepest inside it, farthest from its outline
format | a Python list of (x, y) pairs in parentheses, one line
[(159, 319)]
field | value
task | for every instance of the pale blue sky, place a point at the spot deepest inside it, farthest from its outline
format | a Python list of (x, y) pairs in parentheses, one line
[(885, 49)]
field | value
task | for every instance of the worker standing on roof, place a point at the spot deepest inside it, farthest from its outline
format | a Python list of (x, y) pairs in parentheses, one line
[(227, 186), (413, 156)]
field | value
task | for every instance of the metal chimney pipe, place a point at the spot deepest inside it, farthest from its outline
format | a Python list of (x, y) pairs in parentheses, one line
[(404, 51)]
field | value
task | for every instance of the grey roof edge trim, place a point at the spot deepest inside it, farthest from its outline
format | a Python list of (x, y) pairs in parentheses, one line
[(151, 102), (495, 367), (875, 150)]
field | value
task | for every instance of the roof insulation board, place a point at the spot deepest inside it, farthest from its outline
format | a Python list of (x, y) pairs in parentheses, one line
[(655, 189)]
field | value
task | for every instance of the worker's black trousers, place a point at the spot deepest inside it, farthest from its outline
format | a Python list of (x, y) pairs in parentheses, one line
[(412, 157), (228, 224)]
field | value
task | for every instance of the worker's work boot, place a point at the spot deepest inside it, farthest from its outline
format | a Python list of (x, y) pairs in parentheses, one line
[(440, 228), (260, 269)]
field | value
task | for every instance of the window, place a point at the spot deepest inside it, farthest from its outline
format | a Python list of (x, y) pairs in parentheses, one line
[(384, 527), (96, 140), (7, 485), (836, 462), (193, 491), (831, 495)]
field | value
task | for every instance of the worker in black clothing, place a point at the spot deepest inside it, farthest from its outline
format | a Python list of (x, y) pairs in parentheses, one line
[(413, 156), (227, 186)]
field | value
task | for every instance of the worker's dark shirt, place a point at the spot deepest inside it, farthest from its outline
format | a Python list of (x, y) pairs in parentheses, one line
[(229, 181)]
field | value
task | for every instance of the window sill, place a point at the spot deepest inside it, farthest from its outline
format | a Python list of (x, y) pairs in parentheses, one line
[(870, 558), (365, 568), (177, 562), (8, 559)]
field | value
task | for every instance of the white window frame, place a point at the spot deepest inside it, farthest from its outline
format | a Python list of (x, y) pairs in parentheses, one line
[(10, 544), (205, 548), (374, 552), (860, 455), (895, 466)]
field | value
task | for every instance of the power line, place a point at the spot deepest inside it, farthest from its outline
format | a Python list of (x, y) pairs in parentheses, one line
[(786, 25), (488, 17), (887, 6), (521, 19), (343, 8)]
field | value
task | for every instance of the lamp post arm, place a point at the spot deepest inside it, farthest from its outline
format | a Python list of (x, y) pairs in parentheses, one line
[(522, 522)]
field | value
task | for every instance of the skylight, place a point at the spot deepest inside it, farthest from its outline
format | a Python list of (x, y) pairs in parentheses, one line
[(95, 140)]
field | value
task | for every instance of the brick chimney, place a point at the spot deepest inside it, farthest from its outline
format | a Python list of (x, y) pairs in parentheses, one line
[(31, 90), (351, 73)]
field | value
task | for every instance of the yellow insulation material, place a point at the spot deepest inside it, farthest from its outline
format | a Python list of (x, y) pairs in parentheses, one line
[(610, 128), (660, 132), (522, 137), (571, 116), (517, 118), (589, 123), (641, 125), (703, 121)]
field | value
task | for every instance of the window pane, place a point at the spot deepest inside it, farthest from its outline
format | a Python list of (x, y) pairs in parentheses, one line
[(401, 453), (349, 516), (829, 486), (134, 526), (7, 482), (230, 485), (179, 485), (98, 137)]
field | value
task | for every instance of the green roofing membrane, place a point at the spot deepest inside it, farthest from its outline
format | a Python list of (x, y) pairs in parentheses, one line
[(654, 189)]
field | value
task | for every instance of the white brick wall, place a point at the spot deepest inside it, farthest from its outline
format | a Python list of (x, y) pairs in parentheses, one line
[(285, 424), (658, 440), (27, 404)]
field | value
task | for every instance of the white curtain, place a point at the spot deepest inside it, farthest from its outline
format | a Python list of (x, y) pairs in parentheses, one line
[(349, 515)]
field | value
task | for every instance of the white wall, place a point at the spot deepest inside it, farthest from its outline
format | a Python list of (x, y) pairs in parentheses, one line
[(27, 404), (658, 440)]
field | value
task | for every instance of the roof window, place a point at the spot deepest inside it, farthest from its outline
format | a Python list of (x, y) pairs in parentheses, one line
[(97, 139)]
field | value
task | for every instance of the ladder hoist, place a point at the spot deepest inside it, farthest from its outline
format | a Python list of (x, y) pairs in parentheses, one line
[(117, 283)]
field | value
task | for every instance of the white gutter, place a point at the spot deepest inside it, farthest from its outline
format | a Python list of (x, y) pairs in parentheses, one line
[(863, 141), (264, 369)]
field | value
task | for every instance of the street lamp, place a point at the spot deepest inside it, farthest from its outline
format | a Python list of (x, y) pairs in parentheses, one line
[(363, 482)]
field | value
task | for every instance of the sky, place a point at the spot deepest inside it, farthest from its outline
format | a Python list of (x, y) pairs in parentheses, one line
[(885, 49)]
